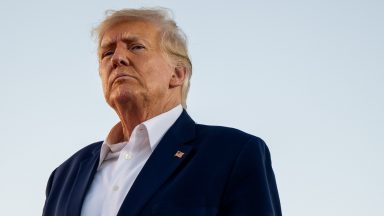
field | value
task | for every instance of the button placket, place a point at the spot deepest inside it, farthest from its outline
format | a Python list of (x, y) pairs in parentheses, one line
[(115, 188), (128, 155)]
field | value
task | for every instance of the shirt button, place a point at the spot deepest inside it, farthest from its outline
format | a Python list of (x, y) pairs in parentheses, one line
[(115, 188), (128, 156)]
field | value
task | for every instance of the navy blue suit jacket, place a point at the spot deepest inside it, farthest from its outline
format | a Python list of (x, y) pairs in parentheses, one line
[(223, 171)]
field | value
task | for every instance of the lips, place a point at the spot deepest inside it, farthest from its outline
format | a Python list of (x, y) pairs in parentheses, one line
[(121, 76)]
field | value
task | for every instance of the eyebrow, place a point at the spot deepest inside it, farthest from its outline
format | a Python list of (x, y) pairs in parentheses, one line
[(126, 39)]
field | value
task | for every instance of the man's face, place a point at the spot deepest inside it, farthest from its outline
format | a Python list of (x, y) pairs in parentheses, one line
[(132, 66)]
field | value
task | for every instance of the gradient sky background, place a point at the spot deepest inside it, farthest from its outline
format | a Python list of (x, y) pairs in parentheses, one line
[(306, 76)]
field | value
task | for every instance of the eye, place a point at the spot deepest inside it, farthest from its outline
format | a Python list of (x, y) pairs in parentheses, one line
[(137, 47), (107, 53)]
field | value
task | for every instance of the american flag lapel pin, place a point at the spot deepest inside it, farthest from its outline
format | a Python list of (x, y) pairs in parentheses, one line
[(179, 154)]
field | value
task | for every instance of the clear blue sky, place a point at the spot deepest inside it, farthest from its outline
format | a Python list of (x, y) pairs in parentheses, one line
[(306, 76)]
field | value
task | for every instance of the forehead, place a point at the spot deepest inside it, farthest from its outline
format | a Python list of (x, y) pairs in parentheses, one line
[(130, 30)]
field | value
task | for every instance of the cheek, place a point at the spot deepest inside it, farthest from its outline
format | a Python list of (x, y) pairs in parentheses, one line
[(160, 79), (104, 80), (162, 72)]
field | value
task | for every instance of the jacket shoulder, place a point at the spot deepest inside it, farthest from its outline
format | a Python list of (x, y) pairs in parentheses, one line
[(82, 154), (228, 141), (227, 134)]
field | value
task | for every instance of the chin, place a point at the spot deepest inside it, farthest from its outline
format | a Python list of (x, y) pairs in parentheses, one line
[(123, 97)]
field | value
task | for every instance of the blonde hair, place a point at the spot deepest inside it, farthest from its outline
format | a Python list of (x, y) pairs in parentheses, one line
[(173, 39)]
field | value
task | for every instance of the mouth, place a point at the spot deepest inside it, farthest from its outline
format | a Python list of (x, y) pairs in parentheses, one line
[(121, 77)]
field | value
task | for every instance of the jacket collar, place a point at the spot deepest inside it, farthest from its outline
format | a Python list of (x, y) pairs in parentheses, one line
[(86, 172), (170, 153)]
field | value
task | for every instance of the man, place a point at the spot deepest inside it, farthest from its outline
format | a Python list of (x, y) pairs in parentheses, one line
[(157, 160)]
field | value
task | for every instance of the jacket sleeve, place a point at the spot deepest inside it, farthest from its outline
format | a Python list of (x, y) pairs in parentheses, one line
[(49, 184), (48, 191), (251, 189)]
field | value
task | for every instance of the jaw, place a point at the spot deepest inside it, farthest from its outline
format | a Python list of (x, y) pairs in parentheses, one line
[(140, 101), (135, 107), (126, 98)]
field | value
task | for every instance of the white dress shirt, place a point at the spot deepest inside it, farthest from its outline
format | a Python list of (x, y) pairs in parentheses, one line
[(120, 163)]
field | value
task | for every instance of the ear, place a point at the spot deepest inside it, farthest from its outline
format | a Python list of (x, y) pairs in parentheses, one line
[(178, 76)]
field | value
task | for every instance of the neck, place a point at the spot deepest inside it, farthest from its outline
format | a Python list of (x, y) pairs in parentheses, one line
[(131, 115)]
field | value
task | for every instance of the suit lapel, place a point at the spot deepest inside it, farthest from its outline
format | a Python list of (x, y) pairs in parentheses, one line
[(161, 165), (84, 177)]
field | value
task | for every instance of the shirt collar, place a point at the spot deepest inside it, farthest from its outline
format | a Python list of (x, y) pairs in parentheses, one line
[(155, 127), (159, 125)]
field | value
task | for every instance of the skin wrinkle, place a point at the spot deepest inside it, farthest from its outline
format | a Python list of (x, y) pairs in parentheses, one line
[(128, 39), (156, 84), (172, 40)]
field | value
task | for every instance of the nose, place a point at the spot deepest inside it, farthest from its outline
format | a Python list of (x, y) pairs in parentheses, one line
[(119, 57)]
